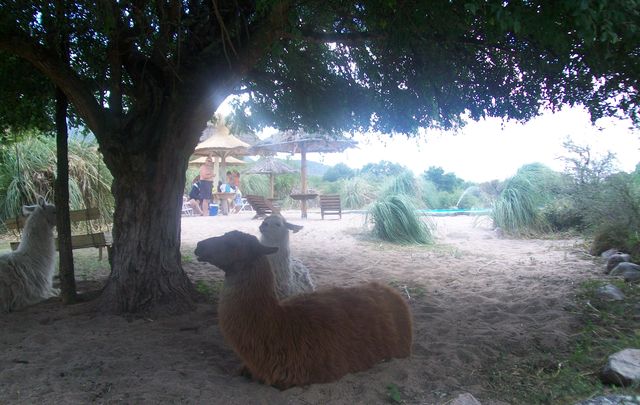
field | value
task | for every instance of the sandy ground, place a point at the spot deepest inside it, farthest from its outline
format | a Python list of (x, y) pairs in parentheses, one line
[(476, 299)]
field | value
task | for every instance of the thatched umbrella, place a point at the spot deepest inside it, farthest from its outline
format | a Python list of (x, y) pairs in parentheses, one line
[(270, 166), (300, 142), (229, 159), (218, 142)]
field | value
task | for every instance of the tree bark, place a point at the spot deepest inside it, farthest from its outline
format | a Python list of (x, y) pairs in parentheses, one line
[(67, 271), (60, 41), (147, 276)]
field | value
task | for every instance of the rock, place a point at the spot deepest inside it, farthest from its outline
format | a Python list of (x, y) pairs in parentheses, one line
[(464, 399), (629, 271), (616, 259), (612, 400), (609, 292), (608, 253), (622, 368)]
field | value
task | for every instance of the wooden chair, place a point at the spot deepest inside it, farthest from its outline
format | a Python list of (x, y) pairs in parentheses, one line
[(261, 206), (330, 205)]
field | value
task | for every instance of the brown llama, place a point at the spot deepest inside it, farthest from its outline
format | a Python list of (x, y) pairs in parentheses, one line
[(309, 338)]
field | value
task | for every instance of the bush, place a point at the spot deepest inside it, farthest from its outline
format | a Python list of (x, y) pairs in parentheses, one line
[(403, 184), (28, 169), (517, 210), (562, 215), (356, 192), (337, 172), (395, 220)]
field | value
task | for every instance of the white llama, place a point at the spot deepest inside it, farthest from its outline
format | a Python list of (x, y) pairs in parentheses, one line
[(26, 275), (292, 277)]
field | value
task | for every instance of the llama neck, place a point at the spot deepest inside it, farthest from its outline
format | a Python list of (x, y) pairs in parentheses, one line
[(280, 262), (37, 236), (248, 298), (281, 258)]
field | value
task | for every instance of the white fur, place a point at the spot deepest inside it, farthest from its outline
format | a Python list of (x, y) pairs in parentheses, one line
[(292, 277), (26, 275)]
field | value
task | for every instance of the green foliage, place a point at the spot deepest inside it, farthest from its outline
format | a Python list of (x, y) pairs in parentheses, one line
[(395, 220), (26, 99), (517, 211), (28, 169), (394, 393), (286, 183), (337, 172), (607, 204), (254, 184), (443, 181), (356, 192), (382, 169), (562, 215), (404, 183), (191, 173)]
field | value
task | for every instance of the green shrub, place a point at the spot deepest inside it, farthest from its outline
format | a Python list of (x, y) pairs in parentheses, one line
[(563, 215), (396, 220), (517, 210), (28, 169), (403, 184), (254, 184), (356, 192)]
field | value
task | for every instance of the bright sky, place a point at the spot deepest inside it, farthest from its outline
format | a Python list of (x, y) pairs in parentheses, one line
[(488, 150)]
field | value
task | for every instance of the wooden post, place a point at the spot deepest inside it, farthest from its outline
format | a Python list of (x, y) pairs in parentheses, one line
[(303, 179)]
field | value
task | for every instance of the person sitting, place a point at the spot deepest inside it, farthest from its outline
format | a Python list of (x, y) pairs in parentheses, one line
[(195, 199), (224, 202), (237, 201)]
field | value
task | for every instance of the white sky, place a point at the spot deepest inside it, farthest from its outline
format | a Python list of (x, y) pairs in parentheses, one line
[(488, 150)]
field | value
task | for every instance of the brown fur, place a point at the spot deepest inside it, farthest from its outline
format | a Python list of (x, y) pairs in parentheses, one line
[(311, 338)]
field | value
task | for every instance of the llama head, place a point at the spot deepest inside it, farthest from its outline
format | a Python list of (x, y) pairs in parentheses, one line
[(47, 210), (232, 248), (275, 229)]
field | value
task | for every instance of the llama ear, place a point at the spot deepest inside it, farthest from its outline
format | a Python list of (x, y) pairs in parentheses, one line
[(41, 201), (293, 228)]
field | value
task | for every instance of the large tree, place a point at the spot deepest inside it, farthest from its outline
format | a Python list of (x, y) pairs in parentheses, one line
[(145, 76)]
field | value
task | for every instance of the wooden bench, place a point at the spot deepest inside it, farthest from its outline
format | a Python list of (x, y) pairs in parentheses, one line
[(261, 206), (97, 240), (330, 205)]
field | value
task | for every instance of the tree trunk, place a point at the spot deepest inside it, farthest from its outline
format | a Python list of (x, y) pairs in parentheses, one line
[(67, 272), (147, 275), (60, 41)]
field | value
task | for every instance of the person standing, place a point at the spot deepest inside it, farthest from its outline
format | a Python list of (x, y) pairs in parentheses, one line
[(206, 184)]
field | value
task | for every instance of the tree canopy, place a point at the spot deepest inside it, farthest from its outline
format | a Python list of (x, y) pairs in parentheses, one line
[(443, 181), (145, 76)]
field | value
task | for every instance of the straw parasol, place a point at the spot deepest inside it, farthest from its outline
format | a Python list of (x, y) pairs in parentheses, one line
[(220, 143), (229, 160), (269, 165), (300, 142)]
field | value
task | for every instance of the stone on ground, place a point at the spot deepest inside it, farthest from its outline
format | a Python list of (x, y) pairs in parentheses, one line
[(622, 368)]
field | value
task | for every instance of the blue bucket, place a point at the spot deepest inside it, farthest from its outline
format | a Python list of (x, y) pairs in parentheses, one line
[(213, 210)]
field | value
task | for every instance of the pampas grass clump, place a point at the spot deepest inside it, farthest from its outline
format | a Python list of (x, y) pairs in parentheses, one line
[(396, 220)]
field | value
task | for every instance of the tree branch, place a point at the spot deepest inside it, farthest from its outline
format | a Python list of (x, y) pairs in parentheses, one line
[(351, 38), (62, 76)]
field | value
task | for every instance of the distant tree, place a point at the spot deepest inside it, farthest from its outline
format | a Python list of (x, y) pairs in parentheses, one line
[(584, 167), (337, 172), (145, 76), (382, 168), (443, 181)]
